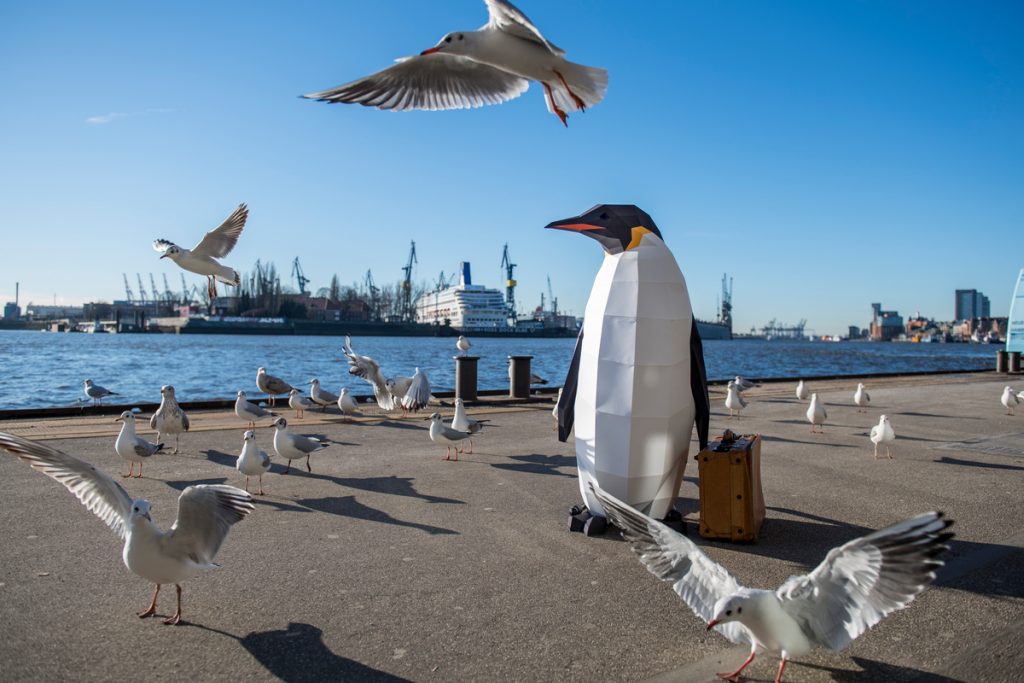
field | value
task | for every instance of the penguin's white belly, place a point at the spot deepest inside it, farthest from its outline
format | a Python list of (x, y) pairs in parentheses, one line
[(634, 404)]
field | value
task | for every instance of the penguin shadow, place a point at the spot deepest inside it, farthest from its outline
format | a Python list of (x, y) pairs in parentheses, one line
[(348, 506), (946, 460), (538, 463), (873, 670), (298, 654)]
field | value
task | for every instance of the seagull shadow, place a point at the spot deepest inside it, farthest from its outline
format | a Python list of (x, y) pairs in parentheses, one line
[(873, 670), (348, 506), (395, 424), (298, 654), (945, 417), (278, 505), (537, 463), (946, 460), (395, 486), (767, 439), (221, 458), (181, 485)]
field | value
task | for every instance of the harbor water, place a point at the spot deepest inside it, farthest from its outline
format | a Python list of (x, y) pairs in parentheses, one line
[(39, 369)]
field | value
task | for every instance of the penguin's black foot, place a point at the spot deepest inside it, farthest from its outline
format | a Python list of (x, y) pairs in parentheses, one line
[(595, 526), (578, 516), (674, 520)]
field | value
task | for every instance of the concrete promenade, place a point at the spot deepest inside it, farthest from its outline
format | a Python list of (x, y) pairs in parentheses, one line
[(388, 563)]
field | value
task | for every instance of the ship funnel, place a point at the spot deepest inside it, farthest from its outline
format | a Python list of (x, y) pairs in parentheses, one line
[(464, 277)]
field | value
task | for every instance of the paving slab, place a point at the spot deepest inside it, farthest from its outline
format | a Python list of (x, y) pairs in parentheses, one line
[(387, 563)]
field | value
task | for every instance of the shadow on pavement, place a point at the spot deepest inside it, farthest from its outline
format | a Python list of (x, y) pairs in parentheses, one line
[(537, 463), (395, 486), (872, 670), (767, 439), (348, 506), (946, 460), (181, 485)]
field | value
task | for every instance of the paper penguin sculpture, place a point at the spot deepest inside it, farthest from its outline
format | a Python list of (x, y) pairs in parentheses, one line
[(637, 383)]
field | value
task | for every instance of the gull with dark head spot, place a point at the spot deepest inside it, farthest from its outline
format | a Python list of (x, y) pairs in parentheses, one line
[(252, 462), (202, 258), (169, 418), (131, 446), (292, 446), (733, 400), (96, 392), (320, 396), (250, 412), (205, 514), (346, 404), (855, 586), (442, 433), (468, 69), (298, 402)]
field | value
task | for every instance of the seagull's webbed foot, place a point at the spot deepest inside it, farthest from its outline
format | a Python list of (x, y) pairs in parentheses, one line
[(575, 98), (735, 675), (175, 618), (554, 107)]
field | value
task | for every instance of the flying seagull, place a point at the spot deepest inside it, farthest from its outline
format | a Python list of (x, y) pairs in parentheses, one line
[(468, 69), (205, 514), (216, 244), (855, 586)]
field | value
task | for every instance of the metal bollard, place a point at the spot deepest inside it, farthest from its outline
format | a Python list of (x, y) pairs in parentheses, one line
[(519, 376), (465, 377), (1001, 361), (1014, 361)]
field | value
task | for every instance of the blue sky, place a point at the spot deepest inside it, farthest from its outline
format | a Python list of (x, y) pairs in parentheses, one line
[(824, 154)]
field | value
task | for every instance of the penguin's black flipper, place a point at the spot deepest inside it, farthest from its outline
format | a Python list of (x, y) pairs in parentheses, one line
[(567, 402), (699, 386)]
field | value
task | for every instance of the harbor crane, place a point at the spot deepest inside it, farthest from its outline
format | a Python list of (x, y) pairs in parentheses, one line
[(552, 300), (371, 288), (186, 297), (300, 277), (142, 290), (406, 308), (129, 297), (510, 286), (153, 289), (168, 294), (725, 312)]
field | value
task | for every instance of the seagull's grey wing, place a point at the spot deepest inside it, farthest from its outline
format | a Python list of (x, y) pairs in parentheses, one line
[(255, 410), (864, 580), (670, 556), (507, 17), (418, 394), (367, 369), (205, 513), (739, 397), (144, 448), (326, 397), (276, 385), (162, 245), (103, 496), (307, 444), (431, 82), (219, 242), (184, 420), (867, 397), (453, 434)]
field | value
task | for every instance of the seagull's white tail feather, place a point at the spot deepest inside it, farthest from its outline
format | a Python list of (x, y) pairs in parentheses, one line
[(587, 82), (234, 279)]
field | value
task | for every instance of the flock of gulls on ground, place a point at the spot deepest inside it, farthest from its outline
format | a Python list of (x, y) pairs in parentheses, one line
[(852, 589)]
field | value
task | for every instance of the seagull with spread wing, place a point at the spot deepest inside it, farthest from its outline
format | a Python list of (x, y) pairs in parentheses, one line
[(216, 244), (855, 587), (368, 369), (468, 69), (205, 514)]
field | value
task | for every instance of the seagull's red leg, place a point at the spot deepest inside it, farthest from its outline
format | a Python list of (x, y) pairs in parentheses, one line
[(308, 468), (782, 666), (175, 619), (261, 485), (247, 484), (131, 466), (579, 103), (152, 606), (735, 675), (448, 456), (551, 99), (139, 475)]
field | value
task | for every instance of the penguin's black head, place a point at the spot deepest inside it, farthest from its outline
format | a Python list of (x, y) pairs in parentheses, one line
[(618, 227)]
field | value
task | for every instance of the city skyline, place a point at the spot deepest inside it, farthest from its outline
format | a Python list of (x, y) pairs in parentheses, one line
[(824, 156)]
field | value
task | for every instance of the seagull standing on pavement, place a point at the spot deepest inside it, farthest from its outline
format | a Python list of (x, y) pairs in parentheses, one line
[(1009, 400), (801, 391), (468, 69), (205, 514), (320, 396), (861, 398), (346, 404), (169, 418), (96, 392), (733, 400), (816, 413), (271, 386), (744, 384), (462, 344), (292, 446), (132, 447), (216, 244), (856, 585), (250, 412), (883, 433), (442, 433), (252, 462), (298, 402)]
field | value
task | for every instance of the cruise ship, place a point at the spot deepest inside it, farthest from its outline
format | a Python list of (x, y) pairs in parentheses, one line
[(465, 306)]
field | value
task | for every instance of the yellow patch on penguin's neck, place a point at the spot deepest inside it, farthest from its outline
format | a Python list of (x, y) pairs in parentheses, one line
[(638, 233)]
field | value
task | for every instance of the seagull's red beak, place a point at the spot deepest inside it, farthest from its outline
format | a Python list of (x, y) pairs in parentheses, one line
[(713, 623), (430, 51)]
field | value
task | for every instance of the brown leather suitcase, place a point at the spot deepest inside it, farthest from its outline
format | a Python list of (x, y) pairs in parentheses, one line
[(731, 501)]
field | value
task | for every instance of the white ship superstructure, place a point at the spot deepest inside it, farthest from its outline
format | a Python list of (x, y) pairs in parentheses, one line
[(464, 306)]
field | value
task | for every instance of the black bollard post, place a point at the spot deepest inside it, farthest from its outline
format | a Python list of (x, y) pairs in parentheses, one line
[(1014, 361), (519, 376), (465, 377), (1002, 364)]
